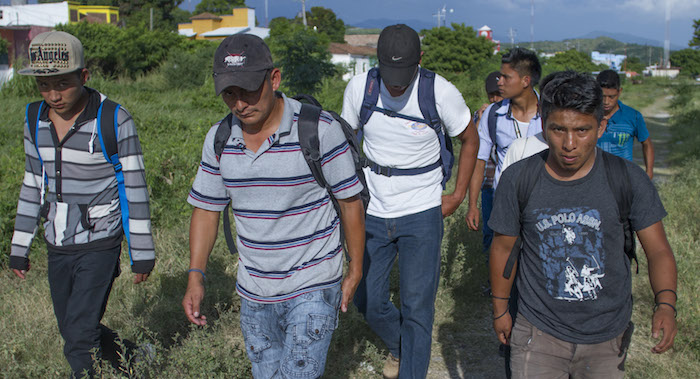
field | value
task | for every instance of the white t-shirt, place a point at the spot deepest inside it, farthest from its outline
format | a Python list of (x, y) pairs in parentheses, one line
[(522, 148), (400, 143)]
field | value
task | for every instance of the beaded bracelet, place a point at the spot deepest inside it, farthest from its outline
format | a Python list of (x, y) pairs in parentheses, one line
[(204, 277), (672, 307)]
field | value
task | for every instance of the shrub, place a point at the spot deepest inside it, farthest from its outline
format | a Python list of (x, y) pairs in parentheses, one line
[(188, 65)]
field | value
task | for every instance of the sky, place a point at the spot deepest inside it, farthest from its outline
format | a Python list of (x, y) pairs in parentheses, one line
[(553, 20)]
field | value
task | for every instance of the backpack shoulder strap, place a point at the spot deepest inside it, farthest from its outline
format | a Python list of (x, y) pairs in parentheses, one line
[(371, 96), (32, 114), (621, 186), (426, 99), (492, 119), (108, 134), (525, 184), (309, 141), (223, 132)]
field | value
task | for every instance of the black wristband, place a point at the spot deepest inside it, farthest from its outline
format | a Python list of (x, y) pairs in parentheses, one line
[(499, 298), (502, 314), (672, 307), (656, 295)]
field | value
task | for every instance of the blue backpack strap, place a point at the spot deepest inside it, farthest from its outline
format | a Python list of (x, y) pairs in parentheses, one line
[(491, 121), (108, 134), (371, 96), (428, 108), (33, 114)]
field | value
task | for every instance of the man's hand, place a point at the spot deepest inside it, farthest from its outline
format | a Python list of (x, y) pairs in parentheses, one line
[(22, 273), (192, 300), (350, 282), (502, 326), (481, 110), (450, 203), (663, 320), (472, 218), (138, 278)]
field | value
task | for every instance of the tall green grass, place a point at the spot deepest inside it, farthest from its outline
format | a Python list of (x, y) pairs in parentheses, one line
[(172, 124)]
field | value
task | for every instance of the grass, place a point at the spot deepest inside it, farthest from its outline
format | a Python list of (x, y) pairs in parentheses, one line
[(172, 125)]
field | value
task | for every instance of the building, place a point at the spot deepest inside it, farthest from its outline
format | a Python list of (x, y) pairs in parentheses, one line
[(662, 72), (357, 59), (614, 61), (487, 33), (20, 23), (207, 26)]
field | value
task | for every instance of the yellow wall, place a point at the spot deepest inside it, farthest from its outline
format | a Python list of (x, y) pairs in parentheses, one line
[(77, 11), (238, 19)]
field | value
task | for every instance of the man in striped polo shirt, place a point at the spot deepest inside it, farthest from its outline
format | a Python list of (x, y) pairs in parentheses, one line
[(69, 182), (289, 240)]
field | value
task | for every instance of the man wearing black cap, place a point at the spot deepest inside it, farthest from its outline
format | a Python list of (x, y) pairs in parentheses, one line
[(289, 243), (405, 176)]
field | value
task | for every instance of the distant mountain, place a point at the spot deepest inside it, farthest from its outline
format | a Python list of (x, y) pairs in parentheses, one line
[(629, 38), (380, 23)]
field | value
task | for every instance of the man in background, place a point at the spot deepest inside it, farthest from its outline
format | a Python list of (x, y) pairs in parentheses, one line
[(624, 124)]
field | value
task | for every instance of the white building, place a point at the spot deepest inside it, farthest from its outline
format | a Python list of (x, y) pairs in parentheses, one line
[(357, 59), (47, 14), (614, 61)]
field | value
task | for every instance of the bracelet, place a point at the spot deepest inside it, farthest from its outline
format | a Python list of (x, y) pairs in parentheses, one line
[(672, 307), (204, 277), (502, 314), (499, 298), (656, 295)]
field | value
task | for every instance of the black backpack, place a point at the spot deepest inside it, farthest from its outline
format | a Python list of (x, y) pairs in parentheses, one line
[(308, 139), (618, 180)]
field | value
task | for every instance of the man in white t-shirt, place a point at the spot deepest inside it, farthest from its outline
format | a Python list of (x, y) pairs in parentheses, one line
[(515, 117), (406, 209)]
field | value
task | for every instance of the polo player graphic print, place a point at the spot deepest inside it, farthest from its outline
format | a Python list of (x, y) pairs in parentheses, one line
[(571, 249)]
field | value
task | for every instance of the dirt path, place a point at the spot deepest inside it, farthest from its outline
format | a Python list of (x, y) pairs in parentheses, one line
[(657, 118)]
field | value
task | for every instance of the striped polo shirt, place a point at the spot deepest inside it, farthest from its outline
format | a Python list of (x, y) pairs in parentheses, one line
[(83, 201), (288, 233)]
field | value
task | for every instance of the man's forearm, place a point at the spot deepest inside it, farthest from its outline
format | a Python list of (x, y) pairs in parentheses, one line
[(467, 159), (476, 181), (204, 227), (498, 256), (353, 222)]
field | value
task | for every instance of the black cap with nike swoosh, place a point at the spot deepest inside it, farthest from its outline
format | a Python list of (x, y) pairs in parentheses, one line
[(398, 51)]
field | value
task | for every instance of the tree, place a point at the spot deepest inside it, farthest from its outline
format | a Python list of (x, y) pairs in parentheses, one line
[(571, 60), (326, 22), (301, 54), (3, 46), (633, 64), (218, 6), (454, 50), (695, 42), (688, 60), (138, 13)]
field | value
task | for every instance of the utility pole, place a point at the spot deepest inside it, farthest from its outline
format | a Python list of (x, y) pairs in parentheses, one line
[(442, 15), (267, 22), (151, 29), (303, 12), (532, 24), (511, 34)]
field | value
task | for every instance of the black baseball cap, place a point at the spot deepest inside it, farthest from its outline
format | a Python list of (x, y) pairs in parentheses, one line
[(398, 51), (241, 60), (492, 82)]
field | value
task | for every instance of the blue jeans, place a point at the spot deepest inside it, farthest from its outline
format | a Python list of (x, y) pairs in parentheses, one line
[(486, 206), (290, 339), (407, 333)]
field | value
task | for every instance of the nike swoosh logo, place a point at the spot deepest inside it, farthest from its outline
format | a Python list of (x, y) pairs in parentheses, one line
[(396, 58)]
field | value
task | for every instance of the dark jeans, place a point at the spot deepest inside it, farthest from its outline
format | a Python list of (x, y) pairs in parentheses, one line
[(80, 285), (416, 239), (486, 206)]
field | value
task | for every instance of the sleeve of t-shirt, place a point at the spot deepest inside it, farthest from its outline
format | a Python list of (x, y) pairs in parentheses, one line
[(208, 191), (485, 142), (352, 100), (647, 208), (336, 159), (640, 127), (505, 215), (453, 111)]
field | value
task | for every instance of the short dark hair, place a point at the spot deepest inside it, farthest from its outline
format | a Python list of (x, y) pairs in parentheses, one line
[(525, 63), (609, 79), (571, 90)]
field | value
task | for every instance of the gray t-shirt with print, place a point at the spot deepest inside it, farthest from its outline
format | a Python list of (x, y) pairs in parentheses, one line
[(574, 279)]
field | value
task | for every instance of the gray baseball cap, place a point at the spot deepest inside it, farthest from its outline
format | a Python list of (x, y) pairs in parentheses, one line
[(241, 60), (54, 53)]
